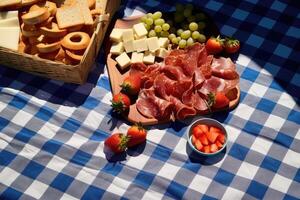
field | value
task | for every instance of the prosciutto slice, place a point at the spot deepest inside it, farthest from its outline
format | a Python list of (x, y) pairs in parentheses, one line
[(182, 111), (151, 106), (216, 84), (224, 68), (163, 86)]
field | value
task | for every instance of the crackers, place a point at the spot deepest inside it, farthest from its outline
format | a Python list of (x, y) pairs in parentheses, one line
[(69, 16), (85, 12)]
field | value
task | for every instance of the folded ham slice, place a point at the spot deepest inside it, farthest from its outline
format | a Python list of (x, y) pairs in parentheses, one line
[(224, 68), (182, 111)]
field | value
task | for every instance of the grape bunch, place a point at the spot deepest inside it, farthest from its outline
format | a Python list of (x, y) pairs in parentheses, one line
[(156, 25)]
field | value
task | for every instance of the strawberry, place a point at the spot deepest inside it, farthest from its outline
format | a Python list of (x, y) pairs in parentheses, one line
[(213, 148), (136, 134), (197, 131), (215, 129), (206, 149), (120, 103), (221, 138), (231, 45), (212, 136), (194, 139), (203, 127), (198, 145), (214, 45), (219, 144), (217, 100), (203, 139), (131, 85), (117, 142)]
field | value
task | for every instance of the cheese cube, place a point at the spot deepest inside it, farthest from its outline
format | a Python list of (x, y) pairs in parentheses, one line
[(128, 45), (11, 35), (137, 57), (123, 60), (136, 37), (116, 35), (163, 42), (162, 53), (117, 49), (8, 14), (149, 58), (152, 44), (140, 45), (140, 30), (11, 22), (127, 35)]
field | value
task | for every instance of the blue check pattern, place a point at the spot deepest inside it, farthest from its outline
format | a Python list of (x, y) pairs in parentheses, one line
[(52, 133)]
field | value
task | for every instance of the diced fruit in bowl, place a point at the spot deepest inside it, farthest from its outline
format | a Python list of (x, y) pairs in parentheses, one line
[(207, 137)]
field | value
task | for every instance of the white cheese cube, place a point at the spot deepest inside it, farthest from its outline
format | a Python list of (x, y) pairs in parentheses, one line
[(128, 45), (11, 22), (149, 58), (137, 57), (127, 35), (8, 14), (117, 49), (152, 44), (116, 35), (162, 53), (163, 42), (123, 60), (140, 30), (136, 37), (140, 45), (10, 37)]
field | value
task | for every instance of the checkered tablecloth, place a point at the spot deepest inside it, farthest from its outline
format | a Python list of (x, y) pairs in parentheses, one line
[(52, 134)]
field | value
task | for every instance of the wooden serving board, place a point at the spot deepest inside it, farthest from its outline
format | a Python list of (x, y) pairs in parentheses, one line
[(116, 76)]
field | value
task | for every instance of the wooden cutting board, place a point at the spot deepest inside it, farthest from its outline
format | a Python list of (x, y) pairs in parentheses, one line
[(116, 76)]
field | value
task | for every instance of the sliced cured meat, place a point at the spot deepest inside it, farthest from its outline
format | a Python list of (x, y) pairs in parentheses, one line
[(182, 111), (190, 62), (198, 78), (224, 68), (137, 68), (163, 86), (149, 75), (173, 72), (177, 52), (216, 84), (181, 86), (206, 67), (202, 56), (174, 60), (151, 106), (190, 98)]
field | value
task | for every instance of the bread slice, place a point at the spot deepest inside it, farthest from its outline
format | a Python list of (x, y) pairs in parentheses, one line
[(68, 16), (85, 12), (10, 3)]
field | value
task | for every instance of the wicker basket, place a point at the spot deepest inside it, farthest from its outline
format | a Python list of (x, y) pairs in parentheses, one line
[(59, 71)]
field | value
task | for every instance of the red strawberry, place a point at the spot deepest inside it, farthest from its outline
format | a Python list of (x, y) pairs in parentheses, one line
[(219, 144), (206, 149), (212, 136), (218, 100), (136, 135), (120, 102), (197, 131), (231, 45), (215, 129), (203, 139), (117, 142), (203, 127), (213, 148), (131, 85), (198, 145), (194, 139), (214, 45), (221, 138)]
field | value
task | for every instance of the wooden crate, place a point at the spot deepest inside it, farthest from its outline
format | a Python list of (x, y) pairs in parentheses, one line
[(59, 71)]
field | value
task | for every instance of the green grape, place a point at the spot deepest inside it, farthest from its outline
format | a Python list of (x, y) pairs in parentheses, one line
[(148, 27), (201, 25), (149, 21), (157, 29), (175, 40), (179, 7), (193, 26), (164, 34), (179, 38), (151, 33), (185, 34), (184, 26), (143, 19), (202, 38), (149, 15), (190, 42), (179, 31), (200, 16), (187, 12), (165, 27), (171, 36), (189, 6), (195, 35), (182, 44), (191, 18), (159, 22), (178, 17), (157, 15)]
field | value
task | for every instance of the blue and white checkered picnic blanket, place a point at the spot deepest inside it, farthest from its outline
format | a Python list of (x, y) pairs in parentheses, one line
[(52, 134)]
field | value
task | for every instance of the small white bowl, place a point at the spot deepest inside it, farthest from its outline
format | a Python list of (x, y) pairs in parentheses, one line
[(209, 122)]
